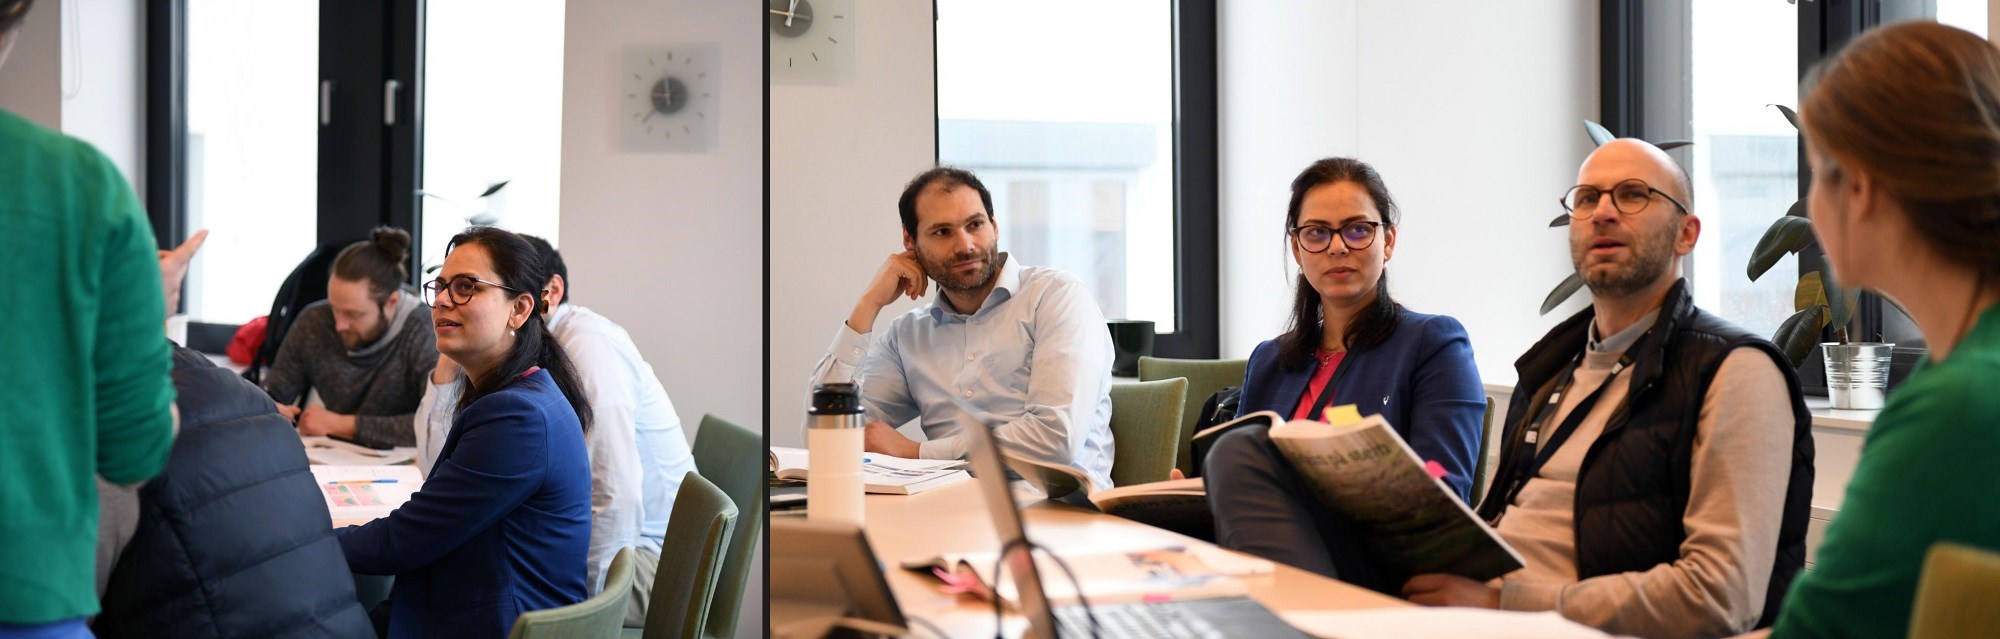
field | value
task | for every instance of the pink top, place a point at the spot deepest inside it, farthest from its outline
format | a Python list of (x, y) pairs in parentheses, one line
[(1328, 362)]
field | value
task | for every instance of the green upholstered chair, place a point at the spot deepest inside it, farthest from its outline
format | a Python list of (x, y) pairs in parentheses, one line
[(1958, 594), (598, 616), (690, 562), (1145, 429), (1205, 376), (732, 458)]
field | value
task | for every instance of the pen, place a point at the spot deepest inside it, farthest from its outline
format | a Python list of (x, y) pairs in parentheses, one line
[(362, 481)]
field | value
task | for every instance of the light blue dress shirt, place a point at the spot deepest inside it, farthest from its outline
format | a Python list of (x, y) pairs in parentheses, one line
[(1033, 364)]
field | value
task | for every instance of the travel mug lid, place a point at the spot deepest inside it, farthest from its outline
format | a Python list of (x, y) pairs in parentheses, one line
[(842, 398)]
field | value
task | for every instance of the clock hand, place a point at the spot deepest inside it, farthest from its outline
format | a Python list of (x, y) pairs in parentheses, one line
[(789, 10), (789, 16)]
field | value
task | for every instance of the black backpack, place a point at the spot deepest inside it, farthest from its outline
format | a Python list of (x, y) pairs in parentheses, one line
[(306, 284), (1218, 409)]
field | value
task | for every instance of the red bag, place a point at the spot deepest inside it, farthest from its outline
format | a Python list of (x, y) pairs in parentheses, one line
[(249, 337)]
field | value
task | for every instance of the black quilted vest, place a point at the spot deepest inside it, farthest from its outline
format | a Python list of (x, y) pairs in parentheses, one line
[(1633, 487)]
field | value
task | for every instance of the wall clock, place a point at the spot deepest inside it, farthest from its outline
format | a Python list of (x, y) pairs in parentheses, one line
[(669, 97), (812, 41)]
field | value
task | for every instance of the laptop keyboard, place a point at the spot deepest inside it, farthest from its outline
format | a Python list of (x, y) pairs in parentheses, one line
[(1136, 620)]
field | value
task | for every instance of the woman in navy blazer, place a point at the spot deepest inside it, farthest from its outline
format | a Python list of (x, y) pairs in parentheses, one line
[(1349, 337), (502, 524)]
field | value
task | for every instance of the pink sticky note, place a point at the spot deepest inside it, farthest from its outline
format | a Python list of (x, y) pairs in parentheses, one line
[(1435, 469)]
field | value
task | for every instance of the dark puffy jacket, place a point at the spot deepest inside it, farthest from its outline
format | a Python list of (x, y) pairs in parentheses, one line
[(233, 538), (1634, 486)]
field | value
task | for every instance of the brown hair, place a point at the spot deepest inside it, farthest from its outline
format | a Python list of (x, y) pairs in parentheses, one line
[(12, 12), (1916, 106), (1374, 324), (381, 261)]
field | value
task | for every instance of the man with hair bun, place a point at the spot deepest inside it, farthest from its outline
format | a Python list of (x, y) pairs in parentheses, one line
[(365, 350)]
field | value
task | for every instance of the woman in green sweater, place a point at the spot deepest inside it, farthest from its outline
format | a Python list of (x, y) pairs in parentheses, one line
[(1903, 134), (84, 363)]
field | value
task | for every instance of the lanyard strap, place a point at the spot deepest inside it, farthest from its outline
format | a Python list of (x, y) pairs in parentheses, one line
[(1326, 394), (1531, 454)]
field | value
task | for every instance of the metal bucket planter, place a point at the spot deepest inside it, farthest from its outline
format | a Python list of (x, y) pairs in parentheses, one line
[(1857, 375)]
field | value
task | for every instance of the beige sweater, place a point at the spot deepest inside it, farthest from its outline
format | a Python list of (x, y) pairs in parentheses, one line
[(1740, 466)]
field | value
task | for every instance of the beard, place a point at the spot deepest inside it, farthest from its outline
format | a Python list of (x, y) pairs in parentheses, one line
[(356, 340), (941, 272), (1648, 257)]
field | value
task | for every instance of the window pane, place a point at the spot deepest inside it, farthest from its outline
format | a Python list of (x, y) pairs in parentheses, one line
[(492, 113), (1745, 57), (1969, 15), (1065, 110), (252, 150)]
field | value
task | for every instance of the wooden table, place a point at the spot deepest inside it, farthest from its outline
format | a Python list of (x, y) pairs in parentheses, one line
[(953, 519)]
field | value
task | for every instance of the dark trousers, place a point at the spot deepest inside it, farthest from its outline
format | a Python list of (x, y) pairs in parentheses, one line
[(1265, 508)]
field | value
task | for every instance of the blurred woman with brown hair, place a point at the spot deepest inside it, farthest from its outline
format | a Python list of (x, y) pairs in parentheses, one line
[(1902, 130)]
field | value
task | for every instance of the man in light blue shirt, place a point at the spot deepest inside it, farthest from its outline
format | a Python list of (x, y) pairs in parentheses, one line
[(638, 452), (1022, 350)]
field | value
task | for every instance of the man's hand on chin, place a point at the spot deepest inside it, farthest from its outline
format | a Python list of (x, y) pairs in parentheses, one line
[(882, 438), (1451, 590)]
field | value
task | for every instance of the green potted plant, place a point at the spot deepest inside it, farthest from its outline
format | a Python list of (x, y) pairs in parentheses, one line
[(1857, 373)]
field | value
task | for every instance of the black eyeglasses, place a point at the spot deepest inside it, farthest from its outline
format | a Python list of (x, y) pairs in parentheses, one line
[(460, 289), (1629, 197), (1317, 238)]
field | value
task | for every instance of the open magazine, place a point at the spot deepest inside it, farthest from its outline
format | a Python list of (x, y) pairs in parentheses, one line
[(1359, 467), (880, 473)]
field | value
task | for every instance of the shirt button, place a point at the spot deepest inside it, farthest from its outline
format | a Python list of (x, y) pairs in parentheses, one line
[(968, 358), (857, 351), (968, 393)]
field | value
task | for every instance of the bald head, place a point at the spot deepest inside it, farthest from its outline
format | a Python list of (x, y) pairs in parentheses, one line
[(1627, 158)]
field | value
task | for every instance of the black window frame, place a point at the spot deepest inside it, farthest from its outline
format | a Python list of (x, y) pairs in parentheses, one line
[(1823, 27), (1197, 271), (369, 171)]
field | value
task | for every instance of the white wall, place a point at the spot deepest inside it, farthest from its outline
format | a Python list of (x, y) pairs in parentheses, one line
[(96, 54), (1472, 112), (839, 158), (671, 245), (104, 79), (31, 77)]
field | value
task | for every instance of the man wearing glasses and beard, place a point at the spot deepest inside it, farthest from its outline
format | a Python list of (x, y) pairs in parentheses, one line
[(1656, 464), (1022, 350)]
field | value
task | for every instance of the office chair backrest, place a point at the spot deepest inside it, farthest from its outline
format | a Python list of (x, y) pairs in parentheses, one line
[(1146, 426), (726, 454), (690, 561), (1205, 376), (599, 616), (1958, 594), (306, 284)]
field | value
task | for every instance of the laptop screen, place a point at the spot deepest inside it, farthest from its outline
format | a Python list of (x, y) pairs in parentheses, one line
[(991, 473)]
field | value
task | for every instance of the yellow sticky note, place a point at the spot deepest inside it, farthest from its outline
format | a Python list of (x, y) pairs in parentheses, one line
[(1342, 415)]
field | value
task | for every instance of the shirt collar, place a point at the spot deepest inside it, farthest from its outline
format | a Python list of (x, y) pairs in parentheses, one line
[(1009, 282), (556, 318), (1624, 339)]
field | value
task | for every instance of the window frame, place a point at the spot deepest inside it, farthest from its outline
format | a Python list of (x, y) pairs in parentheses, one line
[(363, 163), (1197, 248), (1823, 27)]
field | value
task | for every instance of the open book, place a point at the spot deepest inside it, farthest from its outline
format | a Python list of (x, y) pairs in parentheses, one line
[(1179, 505), (880, 474), (1359, 467)]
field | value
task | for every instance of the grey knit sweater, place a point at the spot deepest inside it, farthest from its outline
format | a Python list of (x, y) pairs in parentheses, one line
[(380, 384)]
